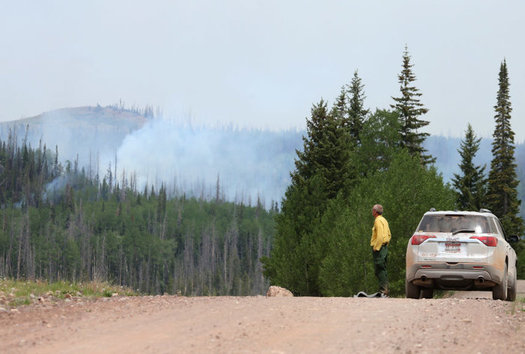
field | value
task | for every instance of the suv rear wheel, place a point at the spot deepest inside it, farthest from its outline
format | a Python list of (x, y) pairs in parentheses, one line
[(499, 292), (411, 291), (511, 292), (427, 293)]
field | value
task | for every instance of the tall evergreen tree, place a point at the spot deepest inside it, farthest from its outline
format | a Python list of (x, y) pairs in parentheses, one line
[(309, 160), (339, 110), (323, 171), (326, 150), (471, 184), (502, 184), (410, 110), (356, 108)]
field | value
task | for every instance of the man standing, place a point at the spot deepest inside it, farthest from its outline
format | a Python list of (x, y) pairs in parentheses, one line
[(379, 242)]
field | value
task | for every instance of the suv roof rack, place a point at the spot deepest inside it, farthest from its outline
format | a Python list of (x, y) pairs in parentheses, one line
[(483, 210), (432, 209)]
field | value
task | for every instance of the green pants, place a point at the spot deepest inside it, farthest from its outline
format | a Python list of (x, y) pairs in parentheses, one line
[(380, 258)]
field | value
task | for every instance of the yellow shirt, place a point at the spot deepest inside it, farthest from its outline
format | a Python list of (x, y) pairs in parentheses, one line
[(380, 233)]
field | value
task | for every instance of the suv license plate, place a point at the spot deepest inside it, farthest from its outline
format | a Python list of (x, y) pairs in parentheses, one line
[(452, 247)]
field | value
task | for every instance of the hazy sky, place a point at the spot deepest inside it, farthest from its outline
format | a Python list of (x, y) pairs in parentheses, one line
[(261, 63)]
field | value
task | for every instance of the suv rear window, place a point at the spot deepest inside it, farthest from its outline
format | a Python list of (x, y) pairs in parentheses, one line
[(454, 222)]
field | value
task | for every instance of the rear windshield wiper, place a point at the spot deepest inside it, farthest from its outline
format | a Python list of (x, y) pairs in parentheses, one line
[(463, 231)]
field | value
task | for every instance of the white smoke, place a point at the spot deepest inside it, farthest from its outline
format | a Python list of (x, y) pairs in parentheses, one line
[(250, 164)]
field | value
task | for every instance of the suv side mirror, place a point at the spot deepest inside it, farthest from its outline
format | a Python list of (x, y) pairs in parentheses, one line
[(513, 239)]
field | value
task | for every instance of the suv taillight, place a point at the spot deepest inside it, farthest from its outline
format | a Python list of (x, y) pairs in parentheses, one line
[(419, 239), (490, 241)]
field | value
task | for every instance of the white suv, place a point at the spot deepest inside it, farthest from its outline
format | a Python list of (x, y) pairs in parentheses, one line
[(460, 250)]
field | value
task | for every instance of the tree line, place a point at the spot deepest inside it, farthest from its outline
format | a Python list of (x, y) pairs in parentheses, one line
[(352, 159), (58, 223)]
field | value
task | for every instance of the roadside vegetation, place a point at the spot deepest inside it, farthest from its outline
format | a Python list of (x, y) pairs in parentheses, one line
[(14, 293)]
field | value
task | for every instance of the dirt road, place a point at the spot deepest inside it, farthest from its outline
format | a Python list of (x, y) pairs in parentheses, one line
[(170, 324)]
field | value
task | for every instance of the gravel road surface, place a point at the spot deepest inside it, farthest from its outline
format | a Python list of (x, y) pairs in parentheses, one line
[(465, 323)]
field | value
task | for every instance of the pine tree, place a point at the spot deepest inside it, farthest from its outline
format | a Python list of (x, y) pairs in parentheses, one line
[(410, 109), (308, 160), (356, 111), (502, 184), (339, 110), (323, 171), (326, 150), (471, 184)]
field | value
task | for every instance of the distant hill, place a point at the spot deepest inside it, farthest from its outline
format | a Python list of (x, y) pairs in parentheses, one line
[(78, 130)]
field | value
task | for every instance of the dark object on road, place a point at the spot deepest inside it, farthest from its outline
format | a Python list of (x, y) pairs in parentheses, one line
[(363, 294)]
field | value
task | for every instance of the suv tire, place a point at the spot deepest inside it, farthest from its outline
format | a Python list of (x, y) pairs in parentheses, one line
[(411, 291), (499, 292), (427, 293), (511, 292)]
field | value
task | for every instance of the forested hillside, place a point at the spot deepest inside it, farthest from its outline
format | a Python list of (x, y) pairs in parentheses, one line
[(104, 229)]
